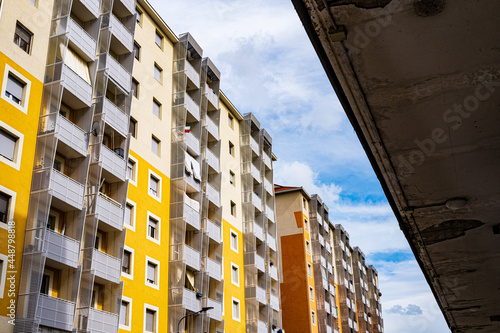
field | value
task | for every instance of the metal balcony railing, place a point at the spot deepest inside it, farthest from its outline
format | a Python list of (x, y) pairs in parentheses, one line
[(268, 186), (213, 194), (192, 74), (216, 312), (76, 85), (261, 327), (321, 240), (67, 189), (275, 302), (271, 242), (109, 211), (214, 231), (192, 107), (255, 172), (267, 160), (93, 6), (114, 162), (72, 135), (254, 145), (121, 33), (55, 312), (192, 217), (106, 266), (212, 160), (118, 73), (193, 143), (82, 39), (273, 272), (261, 295), (212, 127), (102, 321), (214, 269), (190, 301), (129, 4), (260, 263), (212, 98), (61, 248), (257, 202), (270, 213), (257, 230), (115, 117), (327, 307), (192, 257)]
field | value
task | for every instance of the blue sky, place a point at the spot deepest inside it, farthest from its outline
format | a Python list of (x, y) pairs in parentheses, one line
[(269, 68)]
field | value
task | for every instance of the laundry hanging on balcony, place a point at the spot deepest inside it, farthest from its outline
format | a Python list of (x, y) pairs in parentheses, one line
[(192, 166)]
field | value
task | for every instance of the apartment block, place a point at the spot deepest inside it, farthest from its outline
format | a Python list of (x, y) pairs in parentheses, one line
[(325, 285)]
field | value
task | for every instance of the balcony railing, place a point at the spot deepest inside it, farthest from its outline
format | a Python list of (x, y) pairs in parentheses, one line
[(190, 301), (270, 213), (192, 257), (327, 307), (213, 194), (192, 107), (268, 186), (257, 202), (212, 127), (55, 312), (214, 269), (193, 143), (76, 85), (254, 145), (261, 327), (321, 240), (260, 263), (329, 329), (67, 189), (72, 135), (129, 4), (214, 231), (273, 272), (61, 248), (82, 39), (275, 302), (93, 6), (192, 74), (212, 97), (212, 160), (102, 321), (325, 284), (255, 172), (332, 289), (109, 211), (330, 268), (192, 216), (257, 230), (271, 242), (267, 160), (323, 261), (113, 162), (261, 295), (121, 33), (115, 117), (106, 266), (118, 73), (216, 312), (328, 247)]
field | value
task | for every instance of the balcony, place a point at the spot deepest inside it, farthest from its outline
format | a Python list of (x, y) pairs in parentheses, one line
[(214, 269), (192, 143), (260, 263), (192, 257), (77, 86), (273, 272), (261, 327), (115, 117), (72, 135), (332, 289), (212, 97), (190, 301), (106, 266), (214, 231), (328, 247), (216, 312), (192, 107), (319, 218), (82, 40), (118, 73), (275, 302), (129, 4), (192, 74), (325, 284), (328, 329), (255, 172), (268, 186), (102, 321), (109, 211), (257, 230), (327, 307), (55, 312), (270, 213), (121, 33), (212, 127), (213, 194), (321, 240), (261, 295), (67, 189), (93, 6), (267, 160), (212, 160), (271, 242), (254, 145), (323, 261), (257, 202), (61, 248), (330, 268), (113, 162), (192, 216)]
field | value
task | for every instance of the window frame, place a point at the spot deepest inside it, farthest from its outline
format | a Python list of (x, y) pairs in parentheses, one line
[(233, 266), (131, 263), (23, 106), (128, 314), (231, 233), (156, 103), (3, 273), (135, 92), (133, 121), (137, 55), (133, 215), (309, 270), (158, 143), (135, 162), (233, 208), (238, 302), (156, 284), (313, 317), (21, 26), (10, 207), (139, 16), (230, 120), (157, 219), (158, 70), (231, 148), (152, 174), (311, 293), (232, 178), (156, 310), (161, 39)]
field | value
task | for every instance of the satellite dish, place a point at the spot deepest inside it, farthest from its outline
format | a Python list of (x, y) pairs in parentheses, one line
[(95, 128)]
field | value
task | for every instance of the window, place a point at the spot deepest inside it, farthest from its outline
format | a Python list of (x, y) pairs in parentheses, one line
[(3, 273), (135, 88), (230, 121), (309, 270), (233, 208), (14, 89), (153, 186), (236, 309), (22, 38), (138, 16), (127, 262), (131, 170), (313, 318), (231, 177), (307, 247), (158, 73), (235, 274), (125, 309), (130, 215), (306, 227), (137, 51), (133, 127), (150, 324), (153, 231), (7, 145), (311, 293), (159, 40), (155, 146), (231, 148), (234, 241), (11, 146), (156, 108), (152, 273)]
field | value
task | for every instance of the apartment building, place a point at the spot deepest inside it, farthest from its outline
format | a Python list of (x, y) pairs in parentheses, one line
[(320, 289)]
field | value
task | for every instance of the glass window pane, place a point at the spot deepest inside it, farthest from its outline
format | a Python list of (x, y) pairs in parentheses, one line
[(158, 39), (157, 73), (150, 320), (156, 108), (7, 145), (155, 145), (123, 313), (151, 272)]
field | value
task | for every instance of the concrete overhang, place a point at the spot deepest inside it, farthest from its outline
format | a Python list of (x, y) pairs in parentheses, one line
[(420, 83)]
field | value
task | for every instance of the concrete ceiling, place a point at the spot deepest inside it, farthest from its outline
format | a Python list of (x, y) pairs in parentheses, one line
[(420, 83)]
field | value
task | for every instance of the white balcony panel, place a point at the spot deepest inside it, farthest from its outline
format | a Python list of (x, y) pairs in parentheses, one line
[(270, 213), (195, 184), (271, 242), (330, 268), (326, 226), (119, 74), (61, 248), (212, 127), (193, 143), (261, 295), (192, 74), (212, 97), (192, 257), (260, 263), (190, 301), (213, 195), (327, 307), (82, 39), (268, 186), (350, 323), (328, 329), (56, 312), (214, 231), (275, 302), (192, 217), (273, 272), (76, 85), (129, 4), (325, 284), (261, 327), (67, 189), (109, 211), (323, 261), (321, 240), (115, 117), (212, 160), (113, 163), (267, 160), (257, 230), (214, 269), (121, 33), (216, 312), (254, 145), (92, 5), (332, 289), (255, 172), (257, 202), (328, 247), (102, 321), (106, 266), (192, 107), (72, 135)]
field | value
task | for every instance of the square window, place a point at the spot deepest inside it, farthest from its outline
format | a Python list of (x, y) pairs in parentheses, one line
[(137, 51), (127, 262), (159, 40), (133, 127), (153, 186), (236, 309), (152, 273), (153, 226), (131, 170), (231, 177), (135, 88), (8, 144), (234, 241), (125, 309), (230, 121), (150, 321), (155, 146), (156, 108), (158, 73), (231, 148), (235, 274), (23, 38), (14, 89)]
